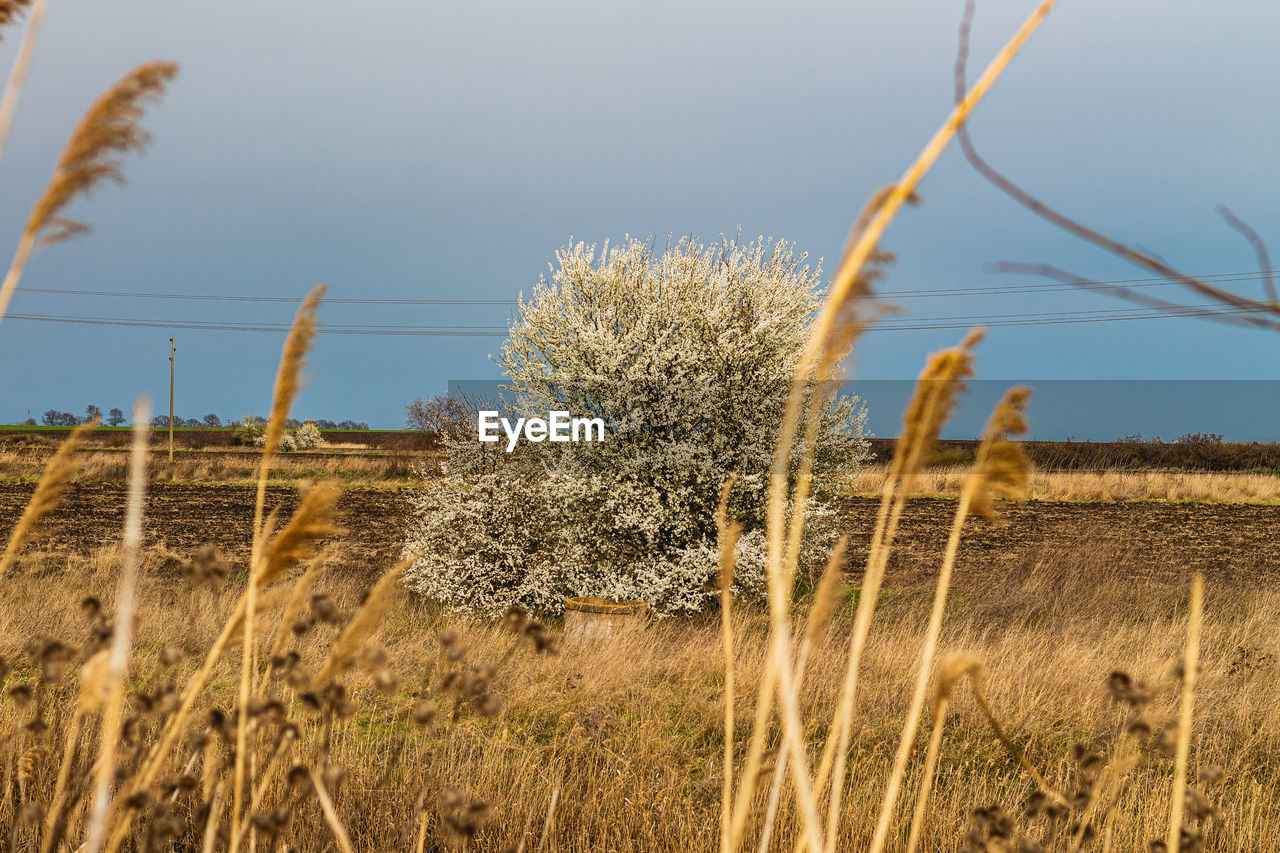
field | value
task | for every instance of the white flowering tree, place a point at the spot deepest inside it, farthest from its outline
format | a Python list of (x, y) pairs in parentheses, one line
[(686, 353)]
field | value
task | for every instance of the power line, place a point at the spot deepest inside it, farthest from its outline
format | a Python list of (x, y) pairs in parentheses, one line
[(280, 328), (1034, 287), (917, 324), (291, 300)]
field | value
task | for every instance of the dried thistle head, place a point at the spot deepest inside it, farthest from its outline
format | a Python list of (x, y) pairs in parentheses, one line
[(1001, 469), (108, 129), (936, 393), (1124, 689)]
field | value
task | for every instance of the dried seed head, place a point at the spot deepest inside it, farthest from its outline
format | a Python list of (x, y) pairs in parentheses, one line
[(936, 393), (324, 610), (1138, 727), (1002, 469), (488, 705), (297, 677), (953, 668), (206, 567), (1126, 690), (373, 656), (424, 713), (53, 482), (21, 695), (384, 680), (1197, 806), (514, 619), (90, 607), (1211, 774), (299, 776), (95, 682), (10, 10), (312, 521), (542, 641), (171, 656)]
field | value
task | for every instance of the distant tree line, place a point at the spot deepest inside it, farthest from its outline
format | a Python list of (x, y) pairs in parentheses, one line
[(116, 417)]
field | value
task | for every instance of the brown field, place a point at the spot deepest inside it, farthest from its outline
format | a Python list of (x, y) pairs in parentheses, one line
[(628, 735)]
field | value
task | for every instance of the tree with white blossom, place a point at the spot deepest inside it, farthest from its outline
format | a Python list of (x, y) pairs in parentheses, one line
[(686, 352)]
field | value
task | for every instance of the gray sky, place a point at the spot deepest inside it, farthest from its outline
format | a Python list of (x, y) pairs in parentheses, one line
[(412, 150)]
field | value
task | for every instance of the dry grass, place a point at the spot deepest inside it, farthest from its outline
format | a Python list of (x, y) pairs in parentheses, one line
[(229, 466), (1103, 486), (631, 734)]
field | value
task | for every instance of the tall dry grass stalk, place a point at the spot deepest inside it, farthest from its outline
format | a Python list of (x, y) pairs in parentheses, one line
[(1190, 665), (330, 814), (1001, 469), (936, 393), (952, 670), (727, 535), (118, 660), (9, 11), (53, 482), (847, 283), (108, 129), (288, 384)]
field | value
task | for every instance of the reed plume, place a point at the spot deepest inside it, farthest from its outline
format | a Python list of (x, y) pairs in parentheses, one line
[(288, 384), (11, 10), (936, 392), (312, 521), (53, 483), (1000, 468), (110, 128)]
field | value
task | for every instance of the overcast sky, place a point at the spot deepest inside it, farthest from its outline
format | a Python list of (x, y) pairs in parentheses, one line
[(403, 149)]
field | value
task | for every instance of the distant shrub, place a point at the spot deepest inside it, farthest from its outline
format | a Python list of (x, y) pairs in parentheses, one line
[(250, 432), (308, 436)]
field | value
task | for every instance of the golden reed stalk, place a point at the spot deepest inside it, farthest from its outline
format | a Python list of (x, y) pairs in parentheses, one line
[(952, 670), (288, 384), (1000, 468), (846, 279), (118, 662), (727, 534)]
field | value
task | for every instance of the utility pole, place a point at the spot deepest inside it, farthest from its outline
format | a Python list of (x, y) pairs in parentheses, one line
[(172, 350)]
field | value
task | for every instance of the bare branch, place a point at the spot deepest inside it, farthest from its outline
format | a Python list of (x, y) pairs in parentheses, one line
[(1131, 254)]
